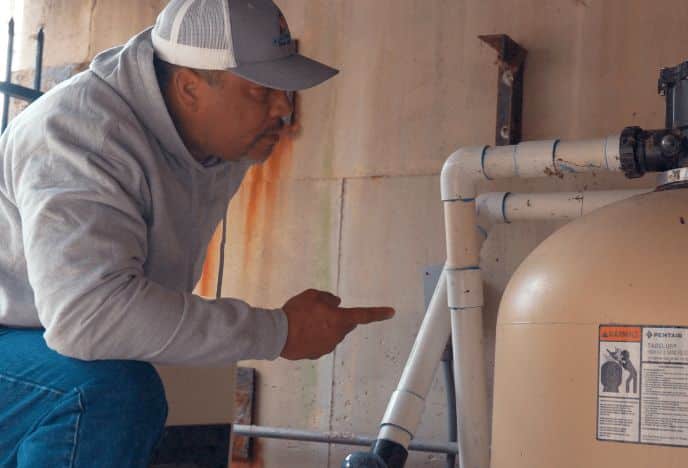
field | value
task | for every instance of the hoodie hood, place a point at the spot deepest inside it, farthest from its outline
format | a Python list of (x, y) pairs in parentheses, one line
[(129, 70)]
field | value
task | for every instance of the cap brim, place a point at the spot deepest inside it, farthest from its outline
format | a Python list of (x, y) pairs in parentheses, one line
[(292, 73)]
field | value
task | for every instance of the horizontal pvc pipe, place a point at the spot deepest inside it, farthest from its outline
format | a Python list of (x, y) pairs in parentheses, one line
[(587, 155), (500, 207), (550, 158), (519, 207), (501, 163), (468, 165), (534, 158), (340, 438)]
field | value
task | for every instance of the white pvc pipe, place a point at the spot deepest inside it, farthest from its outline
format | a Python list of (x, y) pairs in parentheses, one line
[(543, 158), (405, 409), (465, 298), (460, 174), (505, 207), (588, 155)]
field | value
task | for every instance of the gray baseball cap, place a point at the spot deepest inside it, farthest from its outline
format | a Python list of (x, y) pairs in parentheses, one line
[(250, 38)]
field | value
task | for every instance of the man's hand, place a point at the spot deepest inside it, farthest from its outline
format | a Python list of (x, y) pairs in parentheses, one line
[(317, 323)]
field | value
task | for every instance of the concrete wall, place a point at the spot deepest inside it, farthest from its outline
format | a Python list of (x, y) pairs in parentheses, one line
[(352, 204)]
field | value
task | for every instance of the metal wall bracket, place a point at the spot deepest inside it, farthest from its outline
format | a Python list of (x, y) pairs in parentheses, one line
[(511, 62)]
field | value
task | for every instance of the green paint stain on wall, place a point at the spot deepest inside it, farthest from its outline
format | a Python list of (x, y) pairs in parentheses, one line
[(324, 257)]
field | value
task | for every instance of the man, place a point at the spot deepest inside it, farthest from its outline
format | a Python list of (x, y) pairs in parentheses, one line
[(111, 186)]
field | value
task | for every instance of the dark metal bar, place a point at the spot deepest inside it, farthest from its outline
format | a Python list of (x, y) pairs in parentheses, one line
[(40, 39), (510, 87), (19, 92), (8, 74)]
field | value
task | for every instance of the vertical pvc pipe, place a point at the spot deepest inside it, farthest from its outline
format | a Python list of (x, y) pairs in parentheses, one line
[(465, 297), (471, 389), (8, 74), (460, 220)]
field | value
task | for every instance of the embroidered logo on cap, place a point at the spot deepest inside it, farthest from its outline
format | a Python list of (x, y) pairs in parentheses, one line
[(284, 37)]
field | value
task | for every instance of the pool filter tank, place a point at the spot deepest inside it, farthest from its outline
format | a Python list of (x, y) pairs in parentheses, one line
[(592, 343), (591, 365)]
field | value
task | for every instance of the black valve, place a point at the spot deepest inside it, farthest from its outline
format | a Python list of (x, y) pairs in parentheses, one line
[(644, 151), (384, 454), (673, 85), (363, 460)]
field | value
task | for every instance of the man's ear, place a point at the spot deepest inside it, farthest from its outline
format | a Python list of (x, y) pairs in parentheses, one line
[(187, 85)]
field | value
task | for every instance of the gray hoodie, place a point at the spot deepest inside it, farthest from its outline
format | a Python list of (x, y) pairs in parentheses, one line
[(106, 217)]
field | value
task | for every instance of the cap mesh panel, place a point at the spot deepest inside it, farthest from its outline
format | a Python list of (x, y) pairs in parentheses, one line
[(200, 25)]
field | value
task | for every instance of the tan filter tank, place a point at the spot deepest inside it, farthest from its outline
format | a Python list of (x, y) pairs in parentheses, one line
[(592, 350)]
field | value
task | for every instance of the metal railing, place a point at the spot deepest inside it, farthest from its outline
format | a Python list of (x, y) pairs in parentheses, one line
[(13, 90)]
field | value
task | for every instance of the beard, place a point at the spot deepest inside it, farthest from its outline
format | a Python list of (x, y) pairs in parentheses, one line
[(261, 149), (264, 144)]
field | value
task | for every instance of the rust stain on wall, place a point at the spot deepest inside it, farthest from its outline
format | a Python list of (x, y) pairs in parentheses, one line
[(261, 187), (256, 462), (207, 283)]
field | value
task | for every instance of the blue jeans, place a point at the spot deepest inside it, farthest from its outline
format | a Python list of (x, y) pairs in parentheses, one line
[(59, 412)]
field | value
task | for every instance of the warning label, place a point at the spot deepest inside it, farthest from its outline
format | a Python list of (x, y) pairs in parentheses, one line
[(643, 385)]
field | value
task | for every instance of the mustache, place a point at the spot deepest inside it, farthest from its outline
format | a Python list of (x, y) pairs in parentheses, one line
[(280, 127), (277, 127)]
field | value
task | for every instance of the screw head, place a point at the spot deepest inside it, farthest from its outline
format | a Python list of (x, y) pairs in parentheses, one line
[(670, 145)]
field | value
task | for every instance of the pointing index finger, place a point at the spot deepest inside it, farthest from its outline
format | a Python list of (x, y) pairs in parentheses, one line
[(361, 315)]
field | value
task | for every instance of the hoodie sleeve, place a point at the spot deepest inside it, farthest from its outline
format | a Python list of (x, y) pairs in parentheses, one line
[(85, 242)]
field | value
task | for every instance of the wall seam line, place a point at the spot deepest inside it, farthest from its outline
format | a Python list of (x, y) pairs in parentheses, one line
[(342, 195)]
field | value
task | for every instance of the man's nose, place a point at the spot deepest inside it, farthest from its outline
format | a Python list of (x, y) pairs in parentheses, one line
[(281, 105)]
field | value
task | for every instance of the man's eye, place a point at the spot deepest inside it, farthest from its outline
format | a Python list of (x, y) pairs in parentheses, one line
[(260, 93)]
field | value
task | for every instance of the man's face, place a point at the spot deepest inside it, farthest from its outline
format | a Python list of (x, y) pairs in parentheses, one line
[(238, 118)]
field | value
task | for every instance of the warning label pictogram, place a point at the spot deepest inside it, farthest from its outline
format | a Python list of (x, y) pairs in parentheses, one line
[(643, 385)]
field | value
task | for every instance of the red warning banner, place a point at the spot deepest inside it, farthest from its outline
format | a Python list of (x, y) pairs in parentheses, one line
[(620, 333)]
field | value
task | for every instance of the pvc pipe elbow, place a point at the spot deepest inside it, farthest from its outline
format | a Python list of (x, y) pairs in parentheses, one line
[(460, 173)]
